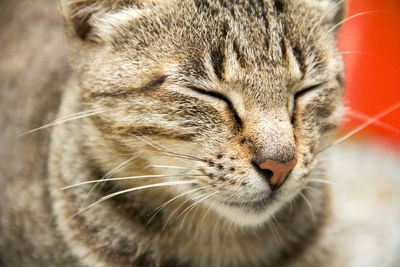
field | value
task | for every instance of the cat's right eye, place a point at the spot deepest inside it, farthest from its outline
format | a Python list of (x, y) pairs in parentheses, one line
[(220, 97)]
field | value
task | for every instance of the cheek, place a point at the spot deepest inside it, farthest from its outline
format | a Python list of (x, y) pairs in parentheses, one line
[(161, 114), (319, 111), (316, 115)]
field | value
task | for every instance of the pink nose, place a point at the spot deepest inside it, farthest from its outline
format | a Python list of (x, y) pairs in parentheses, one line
[(279, 170)]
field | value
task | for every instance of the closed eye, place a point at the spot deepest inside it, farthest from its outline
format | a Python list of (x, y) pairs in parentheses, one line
[(305, 91), (298, 95), (223, 98)]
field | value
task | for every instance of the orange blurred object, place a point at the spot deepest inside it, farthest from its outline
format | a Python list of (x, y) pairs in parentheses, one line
[(370, 43)]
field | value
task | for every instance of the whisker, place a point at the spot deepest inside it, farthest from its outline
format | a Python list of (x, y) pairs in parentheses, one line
[(371, 12), (63, 120), (279, 226), (77, 114), (274, 230), (172, 167), (229, 229), (392, 67), (323, 182), (291, 205), (171, 183), (210, 207), (168, 152), (149, 142), (128, 178), (158, 209), (184, 156), (364, 117), (172, 213), (164, 149), (195, 204), (198, 201), (108, 174), (224, 235), (322, 18), (314, 189), (363, 125), (119, 167), (337, 156), (318, 173), (309, 205), (214, 236)]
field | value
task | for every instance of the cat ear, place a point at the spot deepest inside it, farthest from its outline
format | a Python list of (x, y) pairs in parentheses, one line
[(81, 16)]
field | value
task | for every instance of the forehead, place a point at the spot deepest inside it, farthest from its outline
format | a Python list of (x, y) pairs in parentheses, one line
[(249, 42), (246, 40)]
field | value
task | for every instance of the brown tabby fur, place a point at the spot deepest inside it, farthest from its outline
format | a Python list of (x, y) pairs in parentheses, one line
[(215, 87)]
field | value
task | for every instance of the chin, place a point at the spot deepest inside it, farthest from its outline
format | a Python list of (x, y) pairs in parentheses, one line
[(248, 214)]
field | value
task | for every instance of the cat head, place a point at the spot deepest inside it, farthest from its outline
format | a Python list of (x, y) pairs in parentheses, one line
[(242, 93)]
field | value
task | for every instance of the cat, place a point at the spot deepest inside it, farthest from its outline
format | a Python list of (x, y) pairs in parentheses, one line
[(188, 133)]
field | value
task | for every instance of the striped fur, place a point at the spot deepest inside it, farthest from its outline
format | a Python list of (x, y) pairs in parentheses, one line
[(213, 88)]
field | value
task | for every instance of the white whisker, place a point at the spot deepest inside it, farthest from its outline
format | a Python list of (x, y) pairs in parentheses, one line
[(364, 117), (171, 183), (384, 62), (309, 205), (172, 167), (322, 18), (157, 210), (191, 207), (323, 182), (108, 174), (129, 178), (148, 142), (228, 229), (119, 167), (214, 236), (184, 156), (371, 12), (63, 120), (164, 148), (210, 207), (274, 229), (168, 152), (77, 114), (337, 157), (172, 213), (314, 189), (363, 125)]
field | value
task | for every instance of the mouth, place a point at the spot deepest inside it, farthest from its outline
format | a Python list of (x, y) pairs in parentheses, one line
[(255, 205)]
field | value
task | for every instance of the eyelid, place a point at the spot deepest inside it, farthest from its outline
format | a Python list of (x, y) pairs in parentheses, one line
[(220, 97), (209, 93), (306, 90), (299, 94)]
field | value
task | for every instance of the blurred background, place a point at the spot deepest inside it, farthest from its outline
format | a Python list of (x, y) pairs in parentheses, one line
[(366, 168), (370, 43)]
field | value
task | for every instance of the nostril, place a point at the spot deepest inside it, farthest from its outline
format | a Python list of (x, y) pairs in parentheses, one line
[(277, 170), (268, 173)]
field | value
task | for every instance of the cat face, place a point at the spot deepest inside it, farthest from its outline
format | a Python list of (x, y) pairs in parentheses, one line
[(239, 96)]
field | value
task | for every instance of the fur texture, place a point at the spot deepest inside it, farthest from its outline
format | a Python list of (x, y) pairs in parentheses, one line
[(187, 98)]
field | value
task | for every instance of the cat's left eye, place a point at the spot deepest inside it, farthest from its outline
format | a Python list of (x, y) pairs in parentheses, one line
[(298, 95)]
